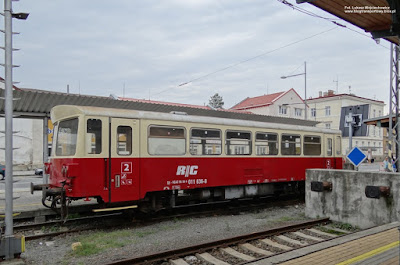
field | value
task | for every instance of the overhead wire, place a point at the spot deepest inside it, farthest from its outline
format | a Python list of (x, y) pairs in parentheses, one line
[(332, 20), (304, 11), (247, 60)]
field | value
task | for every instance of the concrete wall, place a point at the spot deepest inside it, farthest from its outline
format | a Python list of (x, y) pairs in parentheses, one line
[(347, 201), (28, 139)]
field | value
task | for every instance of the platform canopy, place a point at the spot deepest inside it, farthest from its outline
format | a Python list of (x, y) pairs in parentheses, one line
[(382, 122), (32, 103), (381, 18)]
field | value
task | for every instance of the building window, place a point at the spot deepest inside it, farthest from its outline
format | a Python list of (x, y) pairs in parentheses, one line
[(327, 125), (327, 111), (313, 112), (297, 112), (356, 143), (380, 113), (374, 111), (283, 110)]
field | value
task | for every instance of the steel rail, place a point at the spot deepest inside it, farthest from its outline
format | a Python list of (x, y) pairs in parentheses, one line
[(148, 219), (172, 254)]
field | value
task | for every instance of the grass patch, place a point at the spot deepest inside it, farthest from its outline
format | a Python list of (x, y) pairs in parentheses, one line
[(100, 241), (73, 216), (143, 234), (345, 226)]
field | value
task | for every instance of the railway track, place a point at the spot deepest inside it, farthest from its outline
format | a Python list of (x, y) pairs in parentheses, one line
[(59, 227), (33, 231), (246, 248)]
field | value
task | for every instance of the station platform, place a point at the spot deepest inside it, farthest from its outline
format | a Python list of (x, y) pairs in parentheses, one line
[(377, 245)]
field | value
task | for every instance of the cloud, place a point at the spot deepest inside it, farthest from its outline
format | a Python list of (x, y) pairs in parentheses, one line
[(152, 46)]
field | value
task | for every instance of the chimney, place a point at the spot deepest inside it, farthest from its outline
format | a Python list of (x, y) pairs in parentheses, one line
[(320, 94), (331, 92), (325, 94)]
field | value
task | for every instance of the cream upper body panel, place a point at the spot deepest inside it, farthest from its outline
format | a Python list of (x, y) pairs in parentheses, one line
[(66, 111)]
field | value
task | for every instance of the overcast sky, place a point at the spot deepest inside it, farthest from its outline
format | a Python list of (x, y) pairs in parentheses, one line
[(150, 47)]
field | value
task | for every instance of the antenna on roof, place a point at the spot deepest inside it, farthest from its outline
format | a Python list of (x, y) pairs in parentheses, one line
[(123, 90), (337, 84)]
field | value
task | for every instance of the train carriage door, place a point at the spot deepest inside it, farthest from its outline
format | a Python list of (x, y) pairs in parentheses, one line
[(124, 160), (329, 154)]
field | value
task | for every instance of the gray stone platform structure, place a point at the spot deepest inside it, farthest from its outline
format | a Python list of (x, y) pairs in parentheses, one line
[(347, 202)]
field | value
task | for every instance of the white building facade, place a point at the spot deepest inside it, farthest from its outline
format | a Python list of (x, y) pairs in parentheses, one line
[(327, 110)]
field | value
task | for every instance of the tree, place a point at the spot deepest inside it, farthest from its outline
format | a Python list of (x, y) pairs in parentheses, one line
[(216, 101)]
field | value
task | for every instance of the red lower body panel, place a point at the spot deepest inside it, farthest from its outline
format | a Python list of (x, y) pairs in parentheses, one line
[(132, 178)]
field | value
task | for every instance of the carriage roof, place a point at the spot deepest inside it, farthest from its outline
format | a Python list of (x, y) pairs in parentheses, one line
[(67, 111)]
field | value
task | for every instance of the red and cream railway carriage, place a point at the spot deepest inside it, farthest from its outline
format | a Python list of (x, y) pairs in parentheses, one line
[(158, 160)]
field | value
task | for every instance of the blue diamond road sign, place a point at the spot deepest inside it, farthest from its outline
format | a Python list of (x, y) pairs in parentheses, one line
[(356, 156)]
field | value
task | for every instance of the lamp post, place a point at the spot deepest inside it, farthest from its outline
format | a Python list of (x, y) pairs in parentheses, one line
[(8, 109), (305, 87)]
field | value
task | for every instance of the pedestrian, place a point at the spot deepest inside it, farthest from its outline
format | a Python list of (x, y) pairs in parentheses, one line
[(394, 165), (386, 164), (369, 155)]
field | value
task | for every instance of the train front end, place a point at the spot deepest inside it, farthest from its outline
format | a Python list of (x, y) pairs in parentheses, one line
[(69, 176)]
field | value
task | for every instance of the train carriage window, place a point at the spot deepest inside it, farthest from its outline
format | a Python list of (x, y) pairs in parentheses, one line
[(330, 147), (205, 142), (66, 137), (164, 140), (238, 143), (124, 140), (338, 145), (266, 144), (93, 136), (312, 145), (290, 144)]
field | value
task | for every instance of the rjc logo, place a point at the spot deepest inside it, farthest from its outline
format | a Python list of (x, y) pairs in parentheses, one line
[(187, 171)]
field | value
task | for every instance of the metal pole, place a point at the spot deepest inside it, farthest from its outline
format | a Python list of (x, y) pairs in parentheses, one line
[(397, 121), (305, 90), (391, 114), (45, 147), (8, 128), (351, 132)]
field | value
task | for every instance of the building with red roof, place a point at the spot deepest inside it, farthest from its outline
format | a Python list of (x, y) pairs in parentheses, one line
[(286, 104)]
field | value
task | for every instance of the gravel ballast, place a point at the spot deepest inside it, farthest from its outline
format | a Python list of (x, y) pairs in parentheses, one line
[(163, 236)]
